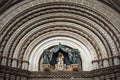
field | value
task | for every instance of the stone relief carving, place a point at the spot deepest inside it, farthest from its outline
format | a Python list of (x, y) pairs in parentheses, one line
[(60, 58)]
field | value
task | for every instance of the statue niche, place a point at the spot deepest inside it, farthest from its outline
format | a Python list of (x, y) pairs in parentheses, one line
[(61, 58)]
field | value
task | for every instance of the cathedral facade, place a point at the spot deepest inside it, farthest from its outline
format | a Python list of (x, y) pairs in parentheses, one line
[(59, 40)]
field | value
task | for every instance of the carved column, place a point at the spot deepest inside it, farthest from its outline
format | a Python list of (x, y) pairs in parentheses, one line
[(14, 63), (4, 61), (95, 65), (25, 65), (116, 61), (105, 63)]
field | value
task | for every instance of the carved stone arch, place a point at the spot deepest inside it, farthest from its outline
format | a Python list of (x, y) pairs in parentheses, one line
[(27, 27), (23, 20)]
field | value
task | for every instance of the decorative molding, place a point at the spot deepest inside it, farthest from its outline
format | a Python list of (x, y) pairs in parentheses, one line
[(6, 4), (115, 4), (80, 74), (61, 74)]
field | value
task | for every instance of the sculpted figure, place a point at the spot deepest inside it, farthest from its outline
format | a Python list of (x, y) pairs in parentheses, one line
[(46, 56), (74, 56), (60, 59), (60, 63)]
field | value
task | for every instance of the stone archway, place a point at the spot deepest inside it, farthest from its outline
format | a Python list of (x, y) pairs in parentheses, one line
[(31, 26)]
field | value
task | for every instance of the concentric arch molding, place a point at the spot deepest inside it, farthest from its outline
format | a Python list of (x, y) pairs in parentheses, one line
[(101, 20), (90, 4), (38, 50)]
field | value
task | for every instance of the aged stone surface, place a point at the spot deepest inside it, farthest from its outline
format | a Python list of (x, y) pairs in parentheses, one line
[(28, 27)]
